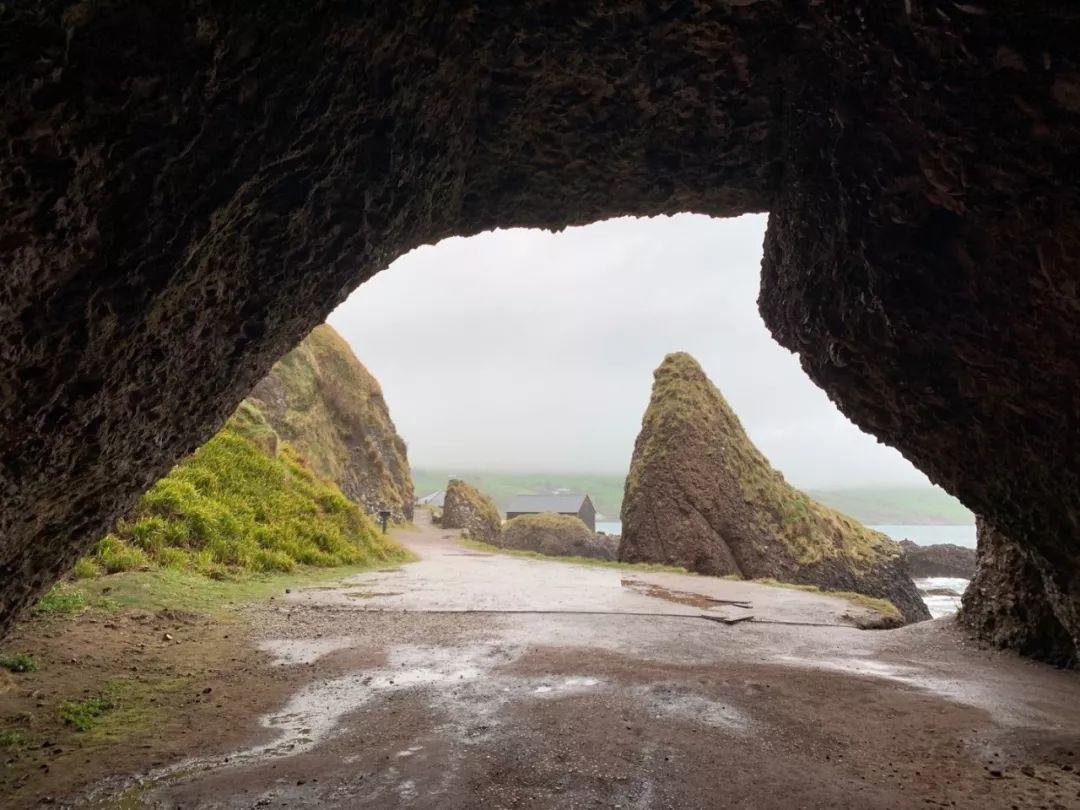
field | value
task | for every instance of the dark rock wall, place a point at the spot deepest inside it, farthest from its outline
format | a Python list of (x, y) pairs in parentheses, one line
[(188, 186), (1007, 604), (920, 256)]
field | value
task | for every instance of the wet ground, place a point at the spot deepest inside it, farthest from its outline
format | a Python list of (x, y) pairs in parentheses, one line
[(480, 680)]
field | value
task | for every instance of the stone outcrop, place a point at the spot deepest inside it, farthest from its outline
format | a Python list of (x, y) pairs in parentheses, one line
[(700, 495), (322, 400), (938, 560), (1006, 602), (465, 507), (189, 187), (557, 535)]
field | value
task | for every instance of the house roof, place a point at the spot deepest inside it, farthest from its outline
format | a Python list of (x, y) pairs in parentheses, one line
[(564, 504)]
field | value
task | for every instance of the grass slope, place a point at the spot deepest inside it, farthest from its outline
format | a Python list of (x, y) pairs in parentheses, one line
[(241, 502)]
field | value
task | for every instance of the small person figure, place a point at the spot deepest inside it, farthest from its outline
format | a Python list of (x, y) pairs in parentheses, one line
[(384, 516)]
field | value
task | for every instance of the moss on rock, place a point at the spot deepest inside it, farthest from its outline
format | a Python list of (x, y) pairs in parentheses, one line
[(700, 495), (556, 535), (465, 507)]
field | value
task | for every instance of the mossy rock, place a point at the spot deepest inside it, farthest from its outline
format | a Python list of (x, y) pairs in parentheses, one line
[(556, 535), (465, 507), (322, 400), (700, 495)]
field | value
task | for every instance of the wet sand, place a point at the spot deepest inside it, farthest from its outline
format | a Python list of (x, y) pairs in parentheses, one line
[(479, 680)]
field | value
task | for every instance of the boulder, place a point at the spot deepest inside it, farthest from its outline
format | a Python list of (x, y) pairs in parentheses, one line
[(558, 536), (939, 560), (700, 495), (467, 508)]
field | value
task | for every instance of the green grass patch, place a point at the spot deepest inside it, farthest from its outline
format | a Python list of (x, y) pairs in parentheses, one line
[(83, 715), (12, 738), (177, 589), (241, 504), (62, 599), (20, 662), (476, 545)]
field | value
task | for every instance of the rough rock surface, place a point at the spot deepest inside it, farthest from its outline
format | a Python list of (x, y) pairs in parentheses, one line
[(700, 495), (466, 507), (189, 186), (938, 560), (557, 535), (322, 400), (1006, 602)]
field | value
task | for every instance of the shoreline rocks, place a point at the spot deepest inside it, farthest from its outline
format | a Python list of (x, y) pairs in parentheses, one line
[(939, 560)]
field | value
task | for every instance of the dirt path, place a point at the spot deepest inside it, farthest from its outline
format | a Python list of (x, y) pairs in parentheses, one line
[(471, 680)]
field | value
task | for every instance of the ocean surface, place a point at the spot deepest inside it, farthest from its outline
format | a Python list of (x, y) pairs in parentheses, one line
[(939, 603)]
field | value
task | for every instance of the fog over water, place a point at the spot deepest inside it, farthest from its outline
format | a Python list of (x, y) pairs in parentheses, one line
[(527, 350)]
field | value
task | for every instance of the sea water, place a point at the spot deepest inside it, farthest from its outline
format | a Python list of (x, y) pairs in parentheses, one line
[(939, 604)]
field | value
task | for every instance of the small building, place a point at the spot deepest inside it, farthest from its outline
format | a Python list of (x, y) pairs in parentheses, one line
[(578, 505)]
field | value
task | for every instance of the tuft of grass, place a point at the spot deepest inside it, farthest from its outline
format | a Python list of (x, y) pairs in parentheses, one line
[(592, 562), (83, 715), (20, 662), (85, 568), (62, 600), (12, 738)]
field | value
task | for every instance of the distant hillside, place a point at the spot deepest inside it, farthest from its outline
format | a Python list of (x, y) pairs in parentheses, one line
[(890, 505), (320, 399), (875, 506)]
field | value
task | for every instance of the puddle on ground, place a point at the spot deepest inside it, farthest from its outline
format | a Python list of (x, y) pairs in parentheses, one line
[(680, 597), (959, 690), (303, 650), (566, 685), (666, 701)]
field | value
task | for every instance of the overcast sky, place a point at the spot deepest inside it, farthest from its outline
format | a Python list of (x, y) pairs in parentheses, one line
[(527, 350)]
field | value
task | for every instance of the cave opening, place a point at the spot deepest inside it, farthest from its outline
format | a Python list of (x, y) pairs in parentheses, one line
[(190, 187)]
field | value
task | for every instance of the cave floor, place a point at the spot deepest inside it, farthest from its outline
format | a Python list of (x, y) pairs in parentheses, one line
[(470, 679)]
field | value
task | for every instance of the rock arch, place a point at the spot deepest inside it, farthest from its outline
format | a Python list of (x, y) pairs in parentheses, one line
[(189, 185)]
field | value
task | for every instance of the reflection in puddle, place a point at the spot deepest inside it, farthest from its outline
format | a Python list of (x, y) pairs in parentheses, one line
[(566, 685)]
